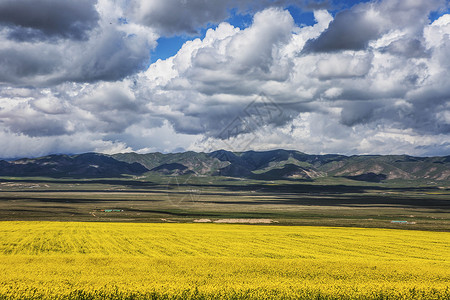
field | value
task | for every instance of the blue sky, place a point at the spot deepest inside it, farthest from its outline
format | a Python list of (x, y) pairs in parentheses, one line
[(348, 77), (169, 45)]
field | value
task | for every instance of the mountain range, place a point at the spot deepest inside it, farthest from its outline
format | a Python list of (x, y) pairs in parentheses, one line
[(264, 165)]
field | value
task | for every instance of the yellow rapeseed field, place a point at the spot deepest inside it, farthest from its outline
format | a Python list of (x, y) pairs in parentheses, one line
[(65, 260)]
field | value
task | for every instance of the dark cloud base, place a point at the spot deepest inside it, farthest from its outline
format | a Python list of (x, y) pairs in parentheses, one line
[(75, 77)]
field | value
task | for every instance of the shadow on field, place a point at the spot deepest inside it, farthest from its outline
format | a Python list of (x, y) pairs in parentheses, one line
[(302, 194), (74, 200), (305, 188), (322, 189), (329, 195), (347, 201), (128, 184)]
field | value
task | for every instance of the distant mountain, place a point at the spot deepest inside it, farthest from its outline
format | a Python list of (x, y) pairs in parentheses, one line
[(88, 165), (173, 169), (391, 167), (265, 165), (289, 171), (199, 163), (291, 164)]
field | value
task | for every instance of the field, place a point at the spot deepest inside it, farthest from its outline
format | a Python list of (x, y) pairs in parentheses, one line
[(136, 238), (324, 202), (81, 260)]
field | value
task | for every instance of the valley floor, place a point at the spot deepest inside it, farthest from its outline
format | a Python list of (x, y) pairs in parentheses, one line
[(141, 238), (418, 205)]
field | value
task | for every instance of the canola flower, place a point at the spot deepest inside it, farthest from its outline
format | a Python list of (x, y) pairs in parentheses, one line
[(68, 260)]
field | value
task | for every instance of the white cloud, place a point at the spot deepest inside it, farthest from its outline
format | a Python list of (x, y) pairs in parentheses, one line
[(19, 145), (368, 83), (437, 32), (387, 93), (110, 50), (353, 64)]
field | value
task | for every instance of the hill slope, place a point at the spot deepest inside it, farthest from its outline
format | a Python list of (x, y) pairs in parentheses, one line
[(88, 165), (270, 165), (291, 164)]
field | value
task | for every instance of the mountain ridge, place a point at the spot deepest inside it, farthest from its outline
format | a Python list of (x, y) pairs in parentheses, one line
[(264, 165)]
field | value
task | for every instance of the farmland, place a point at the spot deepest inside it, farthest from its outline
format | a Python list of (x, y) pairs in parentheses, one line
[(136, 237), (81, 260), (155, 198)]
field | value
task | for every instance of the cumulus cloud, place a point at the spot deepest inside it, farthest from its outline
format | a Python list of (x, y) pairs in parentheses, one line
[(179, 17), (391, 80), (44, 43), (350, 30), (407, 48), (353, 29), (205, 78), (344, 65), (310, 132), (20, 145), (27, 20), (372, 79)]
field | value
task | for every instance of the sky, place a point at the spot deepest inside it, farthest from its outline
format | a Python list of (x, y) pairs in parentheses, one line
[(328, 76)]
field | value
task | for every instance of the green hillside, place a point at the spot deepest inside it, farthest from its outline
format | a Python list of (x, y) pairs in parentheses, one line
[(266, 165)]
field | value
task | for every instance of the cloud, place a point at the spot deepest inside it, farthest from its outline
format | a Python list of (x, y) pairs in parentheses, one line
[(46, 42), (109, 107), (311, 132), (110, 55), (211, 71), (353, 29), (436, 33), (102, 108), (181, 17), (386, 84), (20, 65), (344, 65), (46, 19), (407, 48), (20, 145), (260, 87), (76, 41), (350, 30)]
